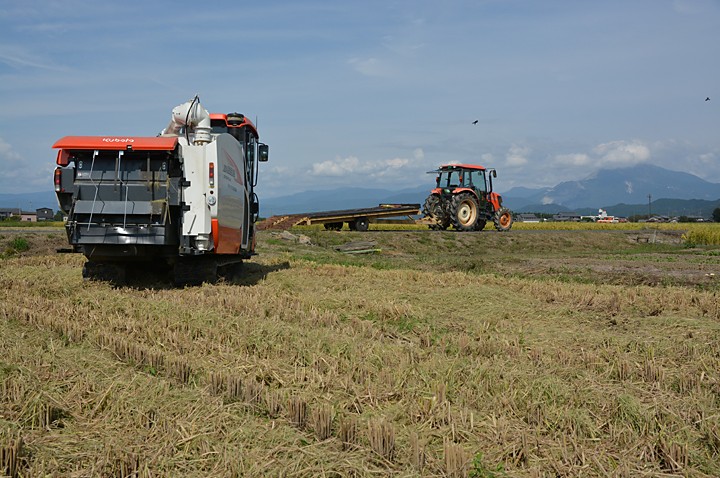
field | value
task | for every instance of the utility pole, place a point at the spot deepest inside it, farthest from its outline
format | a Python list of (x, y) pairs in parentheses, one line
[(649, 206)]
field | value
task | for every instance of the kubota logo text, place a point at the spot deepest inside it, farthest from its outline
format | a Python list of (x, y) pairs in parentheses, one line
[(118, 140)]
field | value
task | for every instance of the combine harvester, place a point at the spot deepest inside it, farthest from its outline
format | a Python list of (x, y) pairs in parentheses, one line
[(183, 200)]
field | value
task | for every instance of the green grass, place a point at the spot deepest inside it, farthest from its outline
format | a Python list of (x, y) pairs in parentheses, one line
[(19, 244), (15, 246), (30, 224)]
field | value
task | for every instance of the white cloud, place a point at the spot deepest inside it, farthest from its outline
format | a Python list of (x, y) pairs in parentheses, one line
[(517, 156), (689, 7), (277, 170), (397, 163), (419, 154), (7, 154), (370, 67), (338, 167), (708, 158), (390, 167), (622, 153), (577, 159), (350, 165), (547, 200), (628, 187), (402, 46), (17, 57), (19, 175)]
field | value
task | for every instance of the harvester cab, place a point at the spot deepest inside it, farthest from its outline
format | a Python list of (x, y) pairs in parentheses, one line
[(464, 198)]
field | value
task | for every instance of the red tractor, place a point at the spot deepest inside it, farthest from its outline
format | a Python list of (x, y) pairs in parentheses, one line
[(464, 198)]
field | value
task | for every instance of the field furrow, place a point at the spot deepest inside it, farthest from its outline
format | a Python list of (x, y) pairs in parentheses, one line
[(398, 363)]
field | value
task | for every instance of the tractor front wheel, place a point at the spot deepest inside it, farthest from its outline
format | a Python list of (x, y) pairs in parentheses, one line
[(464, 211), (433, 209), (503, 219)]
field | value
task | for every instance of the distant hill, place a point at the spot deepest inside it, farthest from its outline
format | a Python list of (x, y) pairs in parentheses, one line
[(615, 186), (661, 207), (524, 194), (622, 192), (667, 207)]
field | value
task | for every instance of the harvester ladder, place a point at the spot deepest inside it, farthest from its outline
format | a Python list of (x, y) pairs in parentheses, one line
[(92, 210)]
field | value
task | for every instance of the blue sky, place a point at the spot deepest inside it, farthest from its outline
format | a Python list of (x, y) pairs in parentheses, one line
[(374, 93)]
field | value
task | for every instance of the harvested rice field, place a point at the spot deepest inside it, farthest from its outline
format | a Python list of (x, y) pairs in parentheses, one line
[(386, 353)]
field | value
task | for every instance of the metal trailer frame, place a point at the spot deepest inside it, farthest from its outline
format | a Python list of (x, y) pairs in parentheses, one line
[(357, 219)]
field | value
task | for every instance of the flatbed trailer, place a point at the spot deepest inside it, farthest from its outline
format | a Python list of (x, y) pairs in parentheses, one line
[(357, 219)]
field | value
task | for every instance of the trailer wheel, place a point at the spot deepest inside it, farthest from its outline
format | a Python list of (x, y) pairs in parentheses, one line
[(361, 224), (333, 226)]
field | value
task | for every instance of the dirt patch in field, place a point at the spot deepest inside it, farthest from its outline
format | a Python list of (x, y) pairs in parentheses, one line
[(279, 223), (642, 257), (653, 236), (618, 271)]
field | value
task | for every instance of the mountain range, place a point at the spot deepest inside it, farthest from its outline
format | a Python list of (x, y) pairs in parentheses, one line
[(623, 192), (633, 185), (30, 201)]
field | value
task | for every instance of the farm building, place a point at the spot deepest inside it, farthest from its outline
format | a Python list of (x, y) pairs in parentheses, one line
[(6, 213), (526, 217), (566, 216), (45, 214), (28, 216)]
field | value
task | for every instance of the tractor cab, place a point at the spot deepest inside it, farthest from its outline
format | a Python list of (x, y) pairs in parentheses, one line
[(456, 176)]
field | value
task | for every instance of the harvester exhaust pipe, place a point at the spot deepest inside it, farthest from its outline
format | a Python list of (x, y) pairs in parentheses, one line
[(194, 117)]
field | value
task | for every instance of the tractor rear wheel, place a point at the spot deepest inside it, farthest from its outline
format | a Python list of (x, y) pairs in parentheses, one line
[(464, 212), (433, 209), (503, 219)]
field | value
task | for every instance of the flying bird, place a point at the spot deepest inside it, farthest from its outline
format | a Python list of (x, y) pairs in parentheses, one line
[(707, 99), (476, 121)]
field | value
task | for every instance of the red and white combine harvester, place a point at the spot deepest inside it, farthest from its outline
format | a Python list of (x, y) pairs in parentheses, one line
[(184, 200)]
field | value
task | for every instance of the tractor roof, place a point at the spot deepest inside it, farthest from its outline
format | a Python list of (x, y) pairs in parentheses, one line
[(450, 167)]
